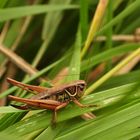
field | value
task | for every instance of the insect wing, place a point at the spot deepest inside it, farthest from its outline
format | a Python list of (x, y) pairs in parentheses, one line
[(30, 88)]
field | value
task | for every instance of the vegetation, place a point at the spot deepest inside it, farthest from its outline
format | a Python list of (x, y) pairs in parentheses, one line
[(52, 42)]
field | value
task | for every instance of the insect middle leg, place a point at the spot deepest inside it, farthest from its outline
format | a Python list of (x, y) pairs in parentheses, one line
[(82, 105), (54, 118)]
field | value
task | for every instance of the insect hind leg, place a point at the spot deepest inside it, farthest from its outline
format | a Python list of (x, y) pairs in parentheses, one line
[(22, 107), (31, 88), (54, 118)]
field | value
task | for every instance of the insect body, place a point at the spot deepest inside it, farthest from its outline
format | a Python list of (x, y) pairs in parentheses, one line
[(53, 98)]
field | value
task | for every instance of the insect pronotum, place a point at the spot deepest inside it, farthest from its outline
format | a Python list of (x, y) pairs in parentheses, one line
[(53, 98)]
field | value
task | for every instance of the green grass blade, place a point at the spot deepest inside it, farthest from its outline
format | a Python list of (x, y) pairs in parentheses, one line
[(43, 71), (74, 68), (84, 18), (119, 80), (17, 12), (106, 55), (126, 12), (9, 109), (5, 136), (103, 99), (94, 129)]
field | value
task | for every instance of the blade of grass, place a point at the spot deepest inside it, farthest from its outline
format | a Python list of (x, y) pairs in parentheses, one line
[(105, 98), (95, 24), (20, 62), (5, 136), (3, 3), (126, 12), (109, 34), (109, 54), (10, 119), (74, 68), (126, 130), (84, 18), (93, 128), (113, 71), (49, 28), (43, 71), (17, 12), (51, 24), (9, 109), (119, 80)]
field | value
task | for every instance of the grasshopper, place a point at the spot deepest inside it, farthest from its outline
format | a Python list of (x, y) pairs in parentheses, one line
[(53, 98)]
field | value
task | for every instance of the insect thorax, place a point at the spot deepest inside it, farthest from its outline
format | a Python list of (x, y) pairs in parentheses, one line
[(66, 95)]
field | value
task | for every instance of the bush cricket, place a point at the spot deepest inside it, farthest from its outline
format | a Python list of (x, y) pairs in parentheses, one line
[(53, 98)]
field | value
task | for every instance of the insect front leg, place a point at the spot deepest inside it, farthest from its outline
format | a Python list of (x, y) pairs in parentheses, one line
[(86, 115), (54, 118), (82, 105)]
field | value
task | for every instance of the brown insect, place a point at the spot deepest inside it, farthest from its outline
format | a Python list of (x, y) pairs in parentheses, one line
[(53, 98)]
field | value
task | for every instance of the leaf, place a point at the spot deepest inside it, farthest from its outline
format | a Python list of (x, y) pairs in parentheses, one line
[(53, 23), (126, 12), (106, 55), (74, 68), (9, 109), (17, 12), (102, 99), (5, 136), (103, 126), (119, 80), (10, 118), (38, 74)]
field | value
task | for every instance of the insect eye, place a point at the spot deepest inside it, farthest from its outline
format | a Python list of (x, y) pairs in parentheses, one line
[(82, 86)]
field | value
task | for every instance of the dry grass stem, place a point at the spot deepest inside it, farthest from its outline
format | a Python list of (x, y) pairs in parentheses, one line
[(127, 38), (95, 24), (4, 31), (18, 61), (128, 67), (23, 29)]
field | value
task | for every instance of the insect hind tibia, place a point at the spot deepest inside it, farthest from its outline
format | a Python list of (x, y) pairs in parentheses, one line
[(23, 107), (30, 88)]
